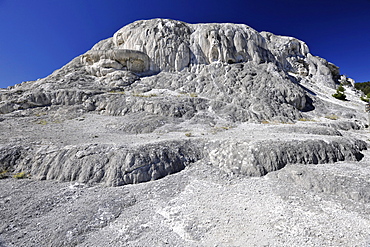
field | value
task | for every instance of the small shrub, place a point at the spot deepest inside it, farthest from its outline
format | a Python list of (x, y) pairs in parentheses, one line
[(20, 175), (193, 95), (265, 122), (339, 95)]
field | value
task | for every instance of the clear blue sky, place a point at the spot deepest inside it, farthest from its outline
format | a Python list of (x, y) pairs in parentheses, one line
[(40, 36)]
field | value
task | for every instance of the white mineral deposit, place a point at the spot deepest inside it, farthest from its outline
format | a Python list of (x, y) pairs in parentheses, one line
[(176, 134)]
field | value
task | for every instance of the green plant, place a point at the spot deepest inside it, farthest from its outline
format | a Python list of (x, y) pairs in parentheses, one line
[(341, 89), (193, 95), (20, 175), (365, 99), (363, 86), (188, 134), (340, 93)]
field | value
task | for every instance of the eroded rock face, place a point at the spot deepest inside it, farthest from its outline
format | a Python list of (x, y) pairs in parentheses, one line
[(173, 46), (164, 76), (262, 157), (213, 103), (106, 61), (107, 164), (253, 76)]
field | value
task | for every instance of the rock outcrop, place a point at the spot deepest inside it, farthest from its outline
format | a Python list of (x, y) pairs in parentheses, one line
[(199, 51), (261, 157), (166, 76), (107, 164), (181, 116)]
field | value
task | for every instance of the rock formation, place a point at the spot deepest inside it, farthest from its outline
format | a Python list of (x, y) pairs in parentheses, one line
[(165, 73), (215, 101)]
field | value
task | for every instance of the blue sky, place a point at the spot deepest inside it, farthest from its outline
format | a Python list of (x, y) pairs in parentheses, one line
[(40, 36)]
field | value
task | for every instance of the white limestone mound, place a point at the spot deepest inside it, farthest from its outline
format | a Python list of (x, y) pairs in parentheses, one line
[(231, 66), (181, 117), (165, 76)]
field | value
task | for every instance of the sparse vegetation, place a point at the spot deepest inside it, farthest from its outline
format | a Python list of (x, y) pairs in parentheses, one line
[(366, 98), (193, 95), (364, 87), (305, 119), (3, 174), (188, 134), (117, 92), (20, 175), (145, 95), (283, 122), (332, 117), (340, 93), (265, 122)]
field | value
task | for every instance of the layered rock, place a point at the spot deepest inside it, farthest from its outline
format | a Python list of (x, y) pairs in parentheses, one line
[(267, 74), (111, 165), (163, 76), (261, 157), (173, 46)]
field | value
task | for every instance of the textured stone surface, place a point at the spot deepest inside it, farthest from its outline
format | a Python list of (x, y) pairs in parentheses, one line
[(179, 134), (267, 65), (109, 164), (259, 158)]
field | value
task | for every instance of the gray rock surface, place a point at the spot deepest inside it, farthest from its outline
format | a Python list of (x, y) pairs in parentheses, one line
[(176, 134)]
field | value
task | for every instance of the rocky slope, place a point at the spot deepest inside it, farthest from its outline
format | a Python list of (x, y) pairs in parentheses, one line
[(216, 104)]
